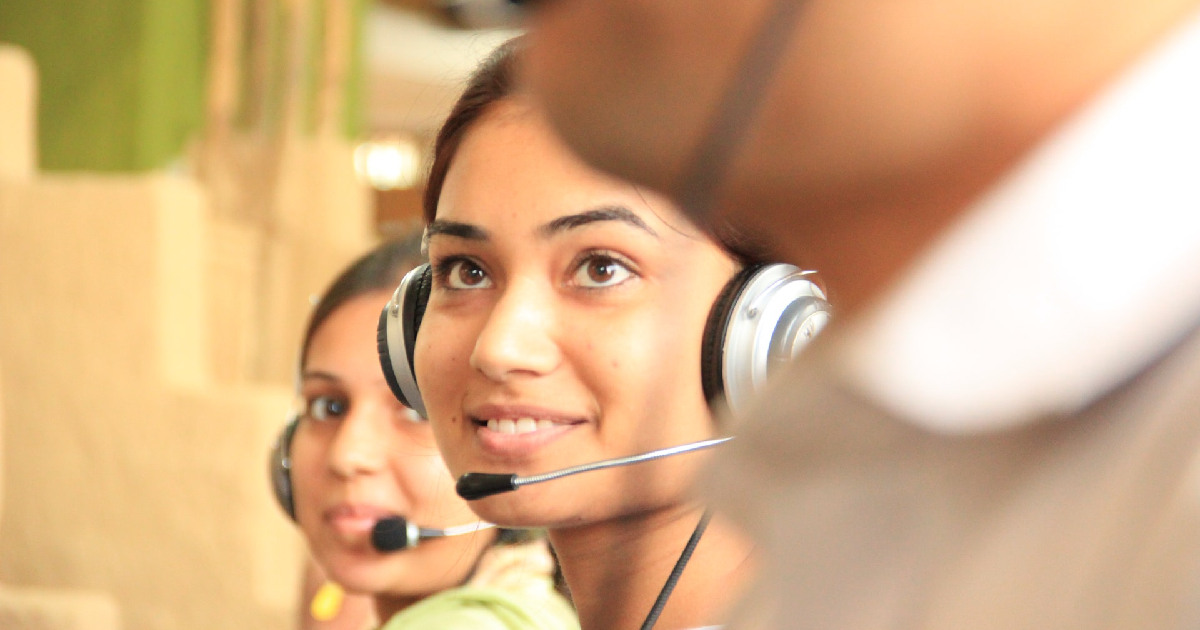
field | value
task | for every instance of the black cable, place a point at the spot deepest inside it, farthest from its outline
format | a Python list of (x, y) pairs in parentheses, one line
[(669, 587)]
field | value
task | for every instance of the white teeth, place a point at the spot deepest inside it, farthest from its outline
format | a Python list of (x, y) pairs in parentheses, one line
[(520, 425)]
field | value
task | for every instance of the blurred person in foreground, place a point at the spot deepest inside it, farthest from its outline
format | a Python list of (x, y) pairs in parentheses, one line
[(356, 456), (1002, 429)]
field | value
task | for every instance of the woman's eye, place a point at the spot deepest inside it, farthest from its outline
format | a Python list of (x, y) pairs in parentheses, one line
[(464, 274), (327, 408), (601, 271)]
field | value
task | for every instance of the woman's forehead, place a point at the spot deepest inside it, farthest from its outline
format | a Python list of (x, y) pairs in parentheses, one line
[(343, 333), (511, 171)]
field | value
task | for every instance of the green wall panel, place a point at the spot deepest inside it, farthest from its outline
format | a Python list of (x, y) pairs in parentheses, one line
[(122, 81)]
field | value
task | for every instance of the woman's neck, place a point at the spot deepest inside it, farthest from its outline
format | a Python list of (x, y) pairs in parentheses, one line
[(615, 569)]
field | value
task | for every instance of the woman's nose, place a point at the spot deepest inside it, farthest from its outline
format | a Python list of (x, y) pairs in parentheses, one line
[(518, 337), (360, 445)]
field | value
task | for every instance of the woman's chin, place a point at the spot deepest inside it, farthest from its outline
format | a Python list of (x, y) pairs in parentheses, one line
[(519, 509), (373, 583), (355, 582), (357, 575)]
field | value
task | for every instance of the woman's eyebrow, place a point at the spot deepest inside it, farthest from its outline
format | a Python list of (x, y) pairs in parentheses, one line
[(454, 228), (319, 375), (604, 213)]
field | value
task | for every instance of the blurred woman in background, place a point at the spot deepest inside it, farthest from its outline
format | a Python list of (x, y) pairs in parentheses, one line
[(355, 456)]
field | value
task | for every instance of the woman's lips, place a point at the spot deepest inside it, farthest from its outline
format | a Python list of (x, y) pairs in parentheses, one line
[(351, 519), (513, 432)]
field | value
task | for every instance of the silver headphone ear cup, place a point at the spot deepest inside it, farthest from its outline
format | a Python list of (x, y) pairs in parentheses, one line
[(385, 353), (397, 334), (280, 468), (777, 312), (798, 324)]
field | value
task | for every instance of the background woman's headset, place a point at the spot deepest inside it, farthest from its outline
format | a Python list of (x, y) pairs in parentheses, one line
[(761, 320), (280, 467)]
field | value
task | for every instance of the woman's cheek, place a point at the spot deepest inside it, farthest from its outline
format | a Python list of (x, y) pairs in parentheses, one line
[(632, 356), (437, 378), (434, 483), (307, 462), (431, 364)]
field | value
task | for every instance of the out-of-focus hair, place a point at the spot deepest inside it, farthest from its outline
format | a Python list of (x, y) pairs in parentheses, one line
[(378, 270)]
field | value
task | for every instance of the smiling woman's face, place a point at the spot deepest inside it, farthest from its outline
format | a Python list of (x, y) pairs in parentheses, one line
[(564, 326), (358, 455)]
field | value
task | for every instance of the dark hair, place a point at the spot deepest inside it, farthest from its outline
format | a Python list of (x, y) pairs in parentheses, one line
[(492, 81), (378, 270), (495, 80)]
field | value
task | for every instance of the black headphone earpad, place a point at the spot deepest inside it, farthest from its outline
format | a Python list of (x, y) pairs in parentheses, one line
[(416, 299), (385, 356), (712, 346), (419, 298), (280, 468)]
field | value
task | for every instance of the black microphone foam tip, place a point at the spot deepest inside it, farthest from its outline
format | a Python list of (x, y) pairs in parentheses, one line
[(472, 486), (390, 534)]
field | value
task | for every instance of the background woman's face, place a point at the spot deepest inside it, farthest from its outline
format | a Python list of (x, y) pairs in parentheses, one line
[(359, 455), (564, 326)]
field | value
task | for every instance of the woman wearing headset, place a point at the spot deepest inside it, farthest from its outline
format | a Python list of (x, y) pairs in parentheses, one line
[(563, 326), (355, 456)]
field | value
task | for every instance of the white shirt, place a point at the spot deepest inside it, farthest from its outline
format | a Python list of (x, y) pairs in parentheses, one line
[(1068, 277)]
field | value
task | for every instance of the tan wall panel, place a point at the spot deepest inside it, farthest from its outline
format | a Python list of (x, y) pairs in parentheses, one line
[(298, 269), (181, 223), (235, 253), (319, 193), (18, 108), (129, 470), (148, 352), (46, 609)]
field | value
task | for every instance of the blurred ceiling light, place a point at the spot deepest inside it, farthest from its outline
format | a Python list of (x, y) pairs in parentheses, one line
[(389, 164)]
